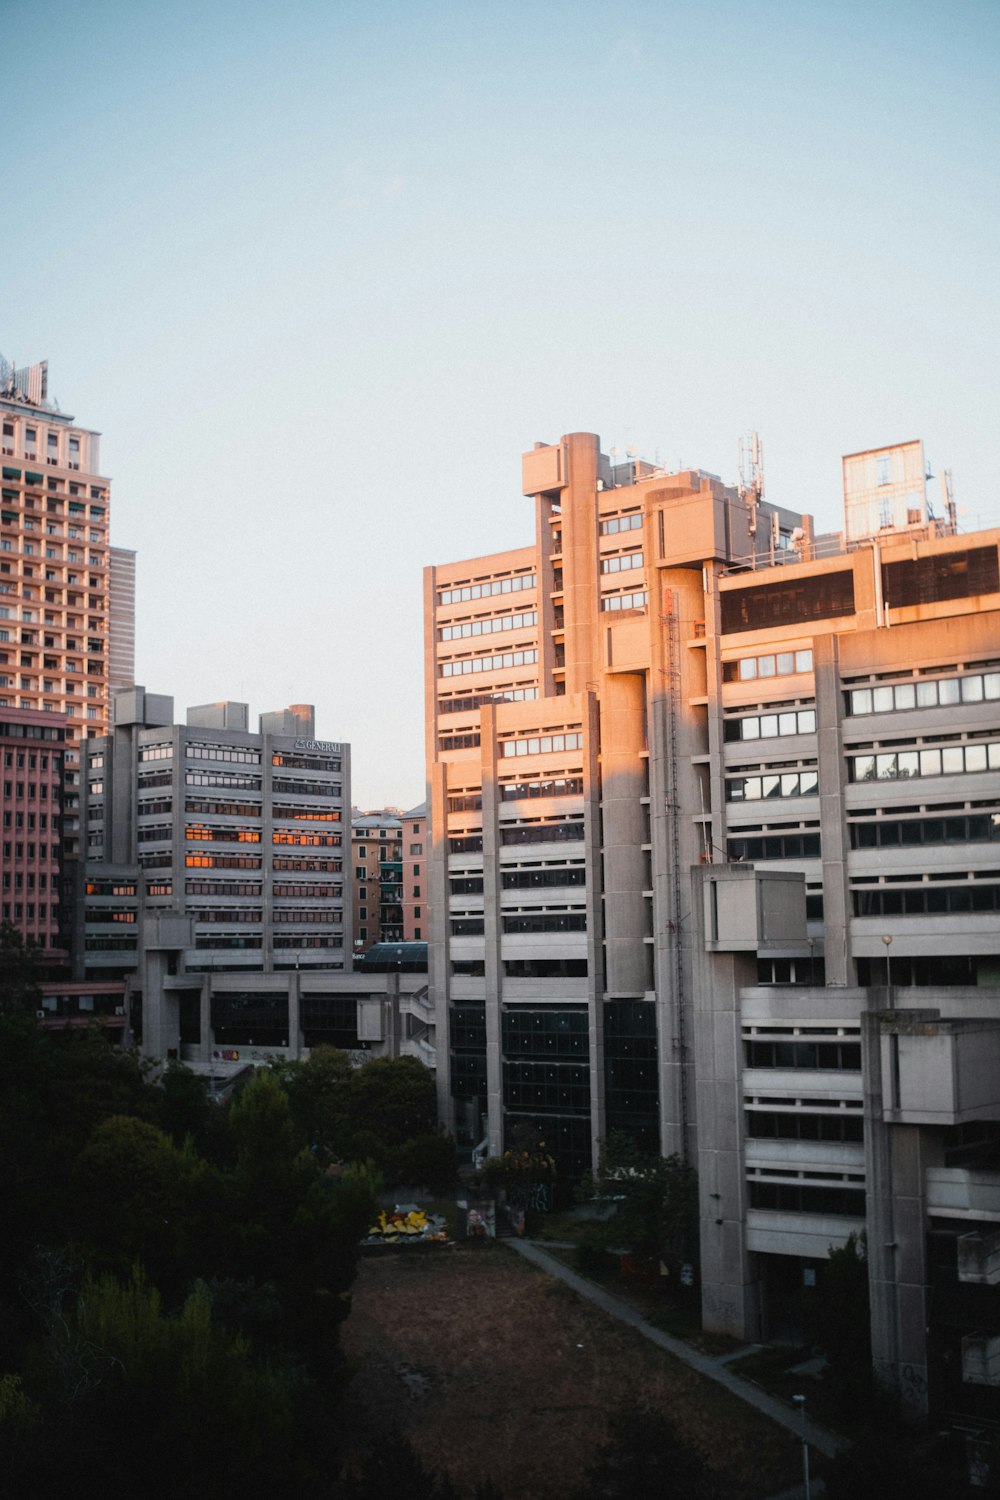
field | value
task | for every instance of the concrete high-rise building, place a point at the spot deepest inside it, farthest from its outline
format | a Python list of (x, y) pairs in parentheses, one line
[(214, 891), (660, 726), (58, 629)]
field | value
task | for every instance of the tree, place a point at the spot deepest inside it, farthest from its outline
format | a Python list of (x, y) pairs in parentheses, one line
[(20, 973), (656, 1196), (839, 1323)]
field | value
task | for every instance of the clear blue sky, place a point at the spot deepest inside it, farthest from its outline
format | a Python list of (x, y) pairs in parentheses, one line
[(320, 270)]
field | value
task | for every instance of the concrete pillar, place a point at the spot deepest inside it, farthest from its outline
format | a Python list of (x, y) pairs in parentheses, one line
[(832, 769), (624, 824), (730, 1295), (896, 1161), (295, 1015), (492, 932)]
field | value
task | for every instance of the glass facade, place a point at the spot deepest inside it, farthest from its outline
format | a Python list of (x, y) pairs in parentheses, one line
[(630, 1071)]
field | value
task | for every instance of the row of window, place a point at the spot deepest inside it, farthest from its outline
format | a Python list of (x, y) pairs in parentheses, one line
[(306, 814), (547, 921), (468, 740), (199, 805), (545, 744), (33, 791), (488, 590), (801, 1054), (783, 784), (803, 1125), (473, 701), (214, 888), (976, 687), (770, 726), (305, 762), (542, 833), (546, 876), (622, 564), (803, 1198), (209, 861), (26, 880), (971, 828), (953, 760), (775, 846), (305, 788), (490, 626), (778, 664), (615, 524), (625, 601), (195, 751), (467, 802), (554, 786), (488, 663), (927, 900)]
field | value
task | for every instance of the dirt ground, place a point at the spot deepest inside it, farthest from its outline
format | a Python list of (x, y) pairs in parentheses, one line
[(493, 1370)]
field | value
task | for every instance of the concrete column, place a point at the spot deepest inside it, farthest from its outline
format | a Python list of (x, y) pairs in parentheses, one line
[(730, 1295), (840, 966), (492, 931), (591, 716), (437, 928), (896, 1161), (624, 823), (295, 1015)]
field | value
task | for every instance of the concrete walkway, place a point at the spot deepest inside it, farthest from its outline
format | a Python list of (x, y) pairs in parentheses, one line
[(820, 1438)]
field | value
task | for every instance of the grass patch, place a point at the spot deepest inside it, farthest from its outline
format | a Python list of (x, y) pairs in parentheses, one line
[(491, 1368)]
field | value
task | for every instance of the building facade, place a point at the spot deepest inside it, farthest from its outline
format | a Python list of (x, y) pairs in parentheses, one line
[(33, 745), (228, 841), (61, 633), (670, 680), (414, 859), (377, 878)]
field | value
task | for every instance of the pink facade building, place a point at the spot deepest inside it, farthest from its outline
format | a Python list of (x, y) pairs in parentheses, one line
[(32, 744)]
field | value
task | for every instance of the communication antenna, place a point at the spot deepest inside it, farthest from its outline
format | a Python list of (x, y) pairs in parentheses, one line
[(948, 500), (750, 451)]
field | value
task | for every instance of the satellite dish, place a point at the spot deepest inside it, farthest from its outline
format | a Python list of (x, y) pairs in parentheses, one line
[(615, 451), (798, 534), (631, 450)]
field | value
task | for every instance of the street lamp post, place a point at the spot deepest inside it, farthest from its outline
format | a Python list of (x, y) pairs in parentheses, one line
[(800, 1402)]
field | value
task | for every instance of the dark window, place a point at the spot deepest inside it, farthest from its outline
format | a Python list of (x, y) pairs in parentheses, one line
[(946, 575), (788, 602)]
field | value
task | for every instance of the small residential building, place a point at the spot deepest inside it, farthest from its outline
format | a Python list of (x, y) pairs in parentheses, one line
[(414, 860), (377, 878)]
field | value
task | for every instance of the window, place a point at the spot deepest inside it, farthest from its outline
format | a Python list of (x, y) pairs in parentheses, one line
[(488, 663), (488, 626), (416, 848), (621, 564), (488, 590), (788, 602), (544, 744)]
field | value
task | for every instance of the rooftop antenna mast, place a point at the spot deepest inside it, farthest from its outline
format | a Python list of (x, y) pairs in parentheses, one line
[(948, 496), (751, 485)]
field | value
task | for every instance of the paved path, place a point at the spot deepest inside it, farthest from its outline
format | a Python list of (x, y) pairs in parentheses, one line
[(820, 1438)]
